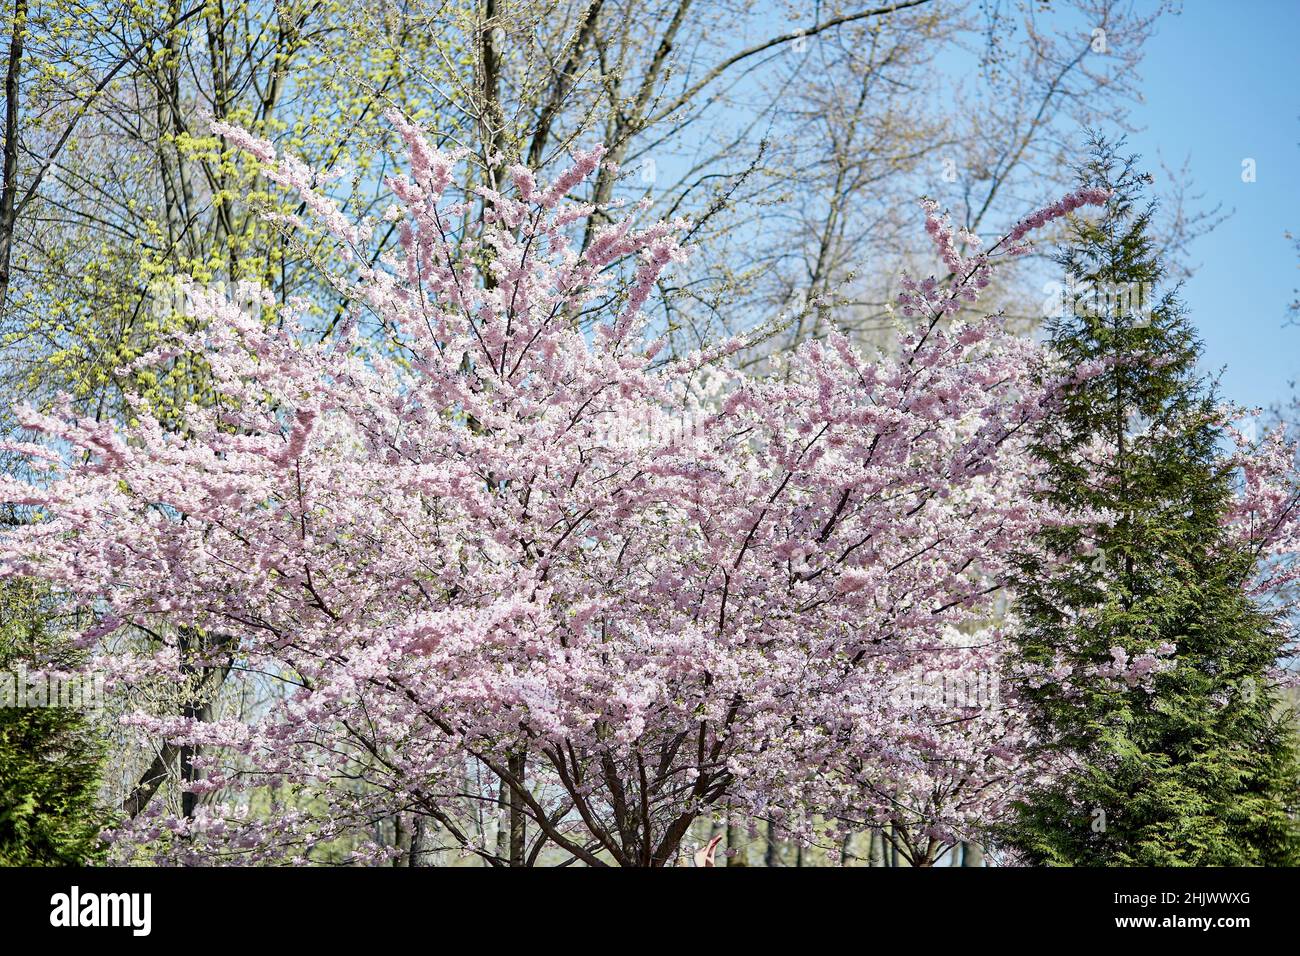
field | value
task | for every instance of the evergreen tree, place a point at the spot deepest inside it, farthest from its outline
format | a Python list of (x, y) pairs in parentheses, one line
[(50, 757), (1137, 605)]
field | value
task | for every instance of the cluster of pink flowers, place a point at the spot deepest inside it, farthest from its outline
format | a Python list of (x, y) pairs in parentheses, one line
[(293, 174), (1087, 196), (969, 274), (1265, 517)]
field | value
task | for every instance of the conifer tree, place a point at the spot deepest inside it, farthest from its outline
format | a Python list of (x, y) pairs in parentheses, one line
[(1145, 661), (50, 756)]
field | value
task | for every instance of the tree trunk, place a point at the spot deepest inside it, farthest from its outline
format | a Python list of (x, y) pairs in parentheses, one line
[(420, 852), (875, 848), (971, 855), (518, 764), (772, 854), (402, 841), (735, 849), (197, 707), (503, 821), (10, 191)]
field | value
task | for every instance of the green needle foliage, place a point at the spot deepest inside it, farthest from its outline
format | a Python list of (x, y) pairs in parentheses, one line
[(1201, 768), (50, 757)]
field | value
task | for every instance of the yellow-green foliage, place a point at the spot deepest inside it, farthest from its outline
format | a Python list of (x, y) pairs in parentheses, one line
[(141, 193)]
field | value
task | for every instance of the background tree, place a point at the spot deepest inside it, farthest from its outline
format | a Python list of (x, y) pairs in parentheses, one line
[(118, 189), (724, 111), (51, 757), (1146, 654)]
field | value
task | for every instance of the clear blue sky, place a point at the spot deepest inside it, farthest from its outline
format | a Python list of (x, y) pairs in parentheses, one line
[(1222, 84)]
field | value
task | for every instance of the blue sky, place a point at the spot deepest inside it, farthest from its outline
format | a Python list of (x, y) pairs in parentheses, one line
[(1221, 85)]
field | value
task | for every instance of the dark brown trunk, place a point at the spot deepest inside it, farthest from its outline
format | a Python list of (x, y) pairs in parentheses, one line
[(518, 765), (492, 121), (198, 707), (9, 196)]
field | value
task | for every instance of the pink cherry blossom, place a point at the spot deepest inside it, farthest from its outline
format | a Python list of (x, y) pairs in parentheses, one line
[(668, 587)]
